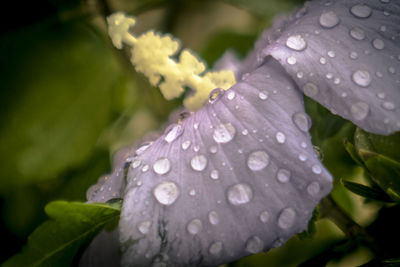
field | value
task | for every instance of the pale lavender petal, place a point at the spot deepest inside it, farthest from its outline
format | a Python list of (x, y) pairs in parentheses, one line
[(345, 55), (235, 178)]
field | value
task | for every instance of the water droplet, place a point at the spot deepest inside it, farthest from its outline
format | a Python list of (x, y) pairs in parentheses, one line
[(213, 217), (173, 132), (361, 11), (166, 193), (378, 44), (316, 169), (224, 133), (381, 95), (145, 168), (215, 95), (385, 1), (302, 157), (357, 33), (329, 19), (388, 105), (144, 227), (283, 175), (310, 89), (215, 247), (329, 75), (286, 218), (231, 95), (214, 174), (136, 163), (264, 216), (359, 110), (280, 137), (196, 126), (213, 149), (258, 160), (263, 95), (392, 70), (336, 80), (141, 148), (196, 148), (162, 166), (322, 60), (192, 192), (383, 28), (194, 226), (331, 54), (313, 188), (361, 78), (198, 163), (300, 74), (353, 55), (291, 60), (302, 121), (296, 42), (254, 245), (239, 194), (186, 144)]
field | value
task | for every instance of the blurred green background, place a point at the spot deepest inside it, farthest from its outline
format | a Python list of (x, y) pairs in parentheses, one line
[(69, 100)]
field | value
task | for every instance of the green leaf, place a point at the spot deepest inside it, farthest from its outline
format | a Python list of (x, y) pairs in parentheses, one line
[(351, 149), (367, 192), (71, 225), (58, 97)]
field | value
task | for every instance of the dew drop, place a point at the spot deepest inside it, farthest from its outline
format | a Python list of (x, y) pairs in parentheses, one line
[(361, 11), (322, 60), (378, 44), (215, 95), (283, 175), (263, 95), (192, 192), (388, 105), (194, 226), (291, 60), (136, 163), (331, 54), (302, 157), (145, 168), (231, 95), (286, 218), (215, 248), (280, 137), (166, 193), (361, 78), (359, 110), (258, 160), (357, 33), (316, 169), (224, 133), (296, 42), (302, 121), (254, 245), (213, 149), (142, 148), (173, 132), (198, 163), (162, 166), (313, 189), (310, 89), (213, 217), (353, 55), (144, 227), (239, 194), (264, 216), (328, 19), (214, 174), (186, 144)]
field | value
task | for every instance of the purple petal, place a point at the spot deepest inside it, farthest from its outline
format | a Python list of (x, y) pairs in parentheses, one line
[(345, 55), (237, 177)]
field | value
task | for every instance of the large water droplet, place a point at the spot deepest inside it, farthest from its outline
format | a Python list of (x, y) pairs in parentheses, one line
[(198, 163), (258, 160), (283, 175), (239, 194), (313, 188), (361, 11), (254, 245), (286, 218), (329, 19), (162, 166), (310, 89), (215, 95), (224, 133), (194, 226), (357, 33), (144, 227), (378, 44), (302, 121), (214, 174), (280, 137), (215, 247), (166, 193), (296, 42), (264, 216), (213, 217), (173, 132), (359, 110), (361, 78)]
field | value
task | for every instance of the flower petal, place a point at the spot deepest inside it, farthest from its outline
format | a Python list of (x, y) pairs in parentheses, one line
[(237, 177), (345, 55)]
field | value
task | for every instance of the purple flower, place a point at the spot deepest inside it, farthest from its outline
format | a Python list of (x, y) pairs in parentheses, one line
[(240, 176)]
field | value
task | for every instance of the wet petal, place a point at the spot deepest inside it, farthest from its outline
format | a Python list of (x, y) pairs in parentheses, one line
[(237, 177), (345, 55)]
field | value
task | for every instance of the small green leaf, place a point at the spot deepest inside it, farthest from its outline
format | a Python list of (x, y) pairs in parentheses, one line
[(71, 226), (351, 149), (367, 192)]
